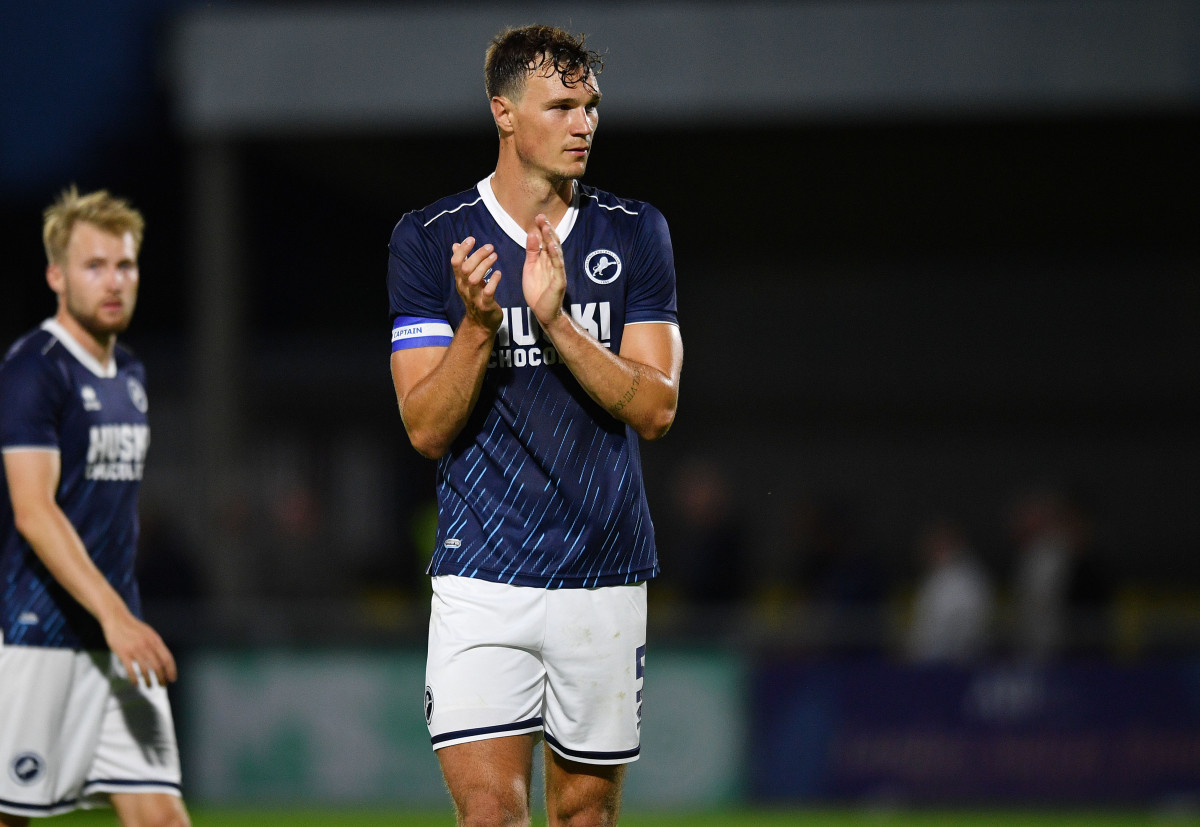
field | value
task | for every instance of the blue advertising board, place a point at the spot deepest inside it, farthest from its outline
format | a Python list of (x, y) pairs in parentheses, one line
[(1066, 733)]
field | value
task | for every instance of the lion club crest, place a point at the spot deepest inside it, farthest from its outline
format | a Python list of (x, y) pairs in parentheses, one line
[(602, 266)]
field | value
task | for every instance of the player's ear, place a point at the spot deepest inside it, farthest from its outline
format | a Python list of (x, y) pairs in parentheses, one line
[(55, 278), (502, 113)]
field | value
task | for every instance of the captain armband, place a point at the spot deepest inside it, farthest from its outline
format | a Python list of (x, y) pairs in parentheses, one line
[(415, 331)]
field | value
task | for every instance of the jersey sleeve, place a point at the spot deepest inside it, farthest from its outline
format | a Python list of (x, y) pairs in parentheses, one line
[(651, 296), (32, 391), (416, 283)]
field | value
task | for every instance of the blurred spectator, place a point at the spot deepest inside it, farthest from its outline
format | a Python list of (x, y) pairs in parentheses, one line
[(836, 567), (1040, 581), (704, 542), (952, 611), (295, 547), (1061, 591), (1090, 589), (166, 568), (839, 575)]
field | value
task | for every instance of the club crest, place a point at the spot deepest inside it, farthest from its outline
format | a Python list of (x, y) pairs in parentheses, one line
[(137, 395), (27, 768), (602, 266)]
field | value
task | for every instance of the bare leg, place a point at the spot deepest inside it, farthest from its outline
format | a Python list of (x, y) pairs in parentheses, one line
[(150, 810), (489, 780), (10, 820), (582, 795)]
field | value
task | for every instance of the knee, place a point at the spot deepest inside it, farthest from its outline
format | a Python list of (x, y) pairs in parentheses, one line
[(599, 809), (488, 809), (594, 816), (583, 796)]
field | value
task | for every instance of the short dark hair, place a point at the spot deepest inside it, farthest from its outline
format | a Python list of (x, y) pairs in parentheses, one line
[(515, 54)]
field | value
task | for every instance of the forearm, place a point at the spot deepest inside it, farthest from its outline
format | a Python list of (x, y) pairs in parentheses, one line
[(57, 544), (33, 478), (635, 393), (436, 408)]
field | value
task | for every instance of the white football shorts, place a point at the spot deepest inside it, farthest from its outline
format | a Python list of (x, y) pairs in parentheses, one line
[(507, 660), (73, 730)]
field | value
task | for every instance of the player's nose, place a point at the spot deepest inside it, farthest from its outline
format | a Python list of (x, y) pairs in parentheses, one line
[(581, 122)]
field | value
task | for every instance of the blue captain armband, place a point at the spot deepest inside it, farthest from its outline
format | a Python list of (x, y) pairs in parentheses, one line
[(414, 331)]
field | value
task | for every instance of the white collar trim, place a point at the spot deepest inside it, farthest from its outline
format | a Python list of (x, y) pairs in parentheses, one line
[(514, 230), (77, 350)]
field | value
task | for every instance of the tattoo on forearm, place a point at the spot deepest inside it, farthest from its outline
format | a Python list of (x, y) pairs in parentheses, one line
[(629, 394)]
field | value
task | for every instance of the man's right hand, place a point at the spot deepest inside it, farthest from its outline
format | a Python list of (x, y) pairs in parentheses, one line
[(476, 282)]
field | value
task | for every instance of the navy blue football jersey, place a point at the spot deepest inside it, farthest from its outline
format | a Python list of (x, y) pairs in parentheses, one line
[(543, 487), (54, 396)]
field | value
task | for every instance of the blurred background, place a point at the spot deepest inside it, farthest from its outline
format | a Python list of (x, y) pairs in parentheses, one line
[(927, 518)]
